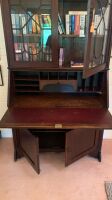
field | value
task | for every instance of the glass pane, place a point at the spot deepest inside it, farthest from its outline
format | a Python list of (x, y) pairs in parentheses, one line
[(98, 32), (72, 32), (31, 25)]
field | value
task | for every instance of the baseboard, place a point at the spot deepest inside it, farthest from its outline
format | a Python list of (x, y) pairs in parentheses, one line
[(7, 133)]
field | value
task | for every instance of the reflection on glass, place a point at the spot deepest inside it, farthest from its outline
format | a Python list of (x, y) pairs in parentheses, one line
[(98, 29), (31, 25)]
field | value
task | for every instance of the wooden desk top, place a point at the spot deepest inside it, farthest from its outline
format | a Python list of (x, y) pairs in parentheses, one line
[(66, 118)]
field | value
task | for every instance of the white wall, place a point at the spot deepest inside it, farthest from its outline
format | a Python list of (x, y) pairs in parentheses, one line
[(4, 89), (108, 133)]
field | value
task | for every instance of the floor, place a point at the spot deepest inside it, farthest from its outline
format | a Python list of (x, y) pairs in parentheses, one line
[(83, 180)]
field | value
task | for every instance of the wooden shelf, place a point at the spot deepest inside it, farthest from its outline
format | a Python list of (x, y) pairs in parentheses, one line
[(58, 100), (26, 85), (26, 91), (70, 36), (28, 35), (26, 79)]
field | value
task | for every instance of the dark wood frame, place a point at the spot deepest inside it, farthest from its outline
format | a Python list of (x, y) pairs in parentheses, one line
[(1, 77), (87, 71), (9, 40)]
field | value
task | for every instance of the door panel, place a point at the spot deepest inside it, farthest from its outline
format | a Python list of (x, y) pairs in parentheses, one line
[(78, 143), (32, 32), (97, 36), (30, 148)]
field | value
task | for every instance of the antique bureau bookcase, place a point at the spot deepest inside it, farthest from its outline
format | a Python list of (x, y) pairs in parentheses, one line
[(58, 61)]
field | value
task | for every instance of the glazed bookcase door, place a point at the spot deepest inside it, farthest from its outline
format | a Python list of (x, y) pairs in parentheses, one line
[(72, 36), (33, 29), (98, 35)]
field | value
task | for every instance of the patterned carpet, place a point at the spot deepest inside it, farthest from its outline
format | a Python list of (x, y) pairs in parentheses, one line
[(108, 189)]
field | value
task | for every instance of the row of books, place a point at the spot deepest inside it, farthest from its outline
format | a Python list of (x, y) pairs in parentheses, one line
[(30, 23), (75, 23), (31, 52)]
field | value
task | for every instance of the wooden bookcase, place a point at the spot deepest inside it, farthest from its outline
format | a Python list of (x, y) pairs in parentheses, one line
[(58, 61)]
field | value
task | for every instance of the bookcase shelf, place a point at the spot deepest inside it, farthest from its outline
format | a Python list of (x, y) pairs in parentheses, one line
[(27, 35), (71, 36)]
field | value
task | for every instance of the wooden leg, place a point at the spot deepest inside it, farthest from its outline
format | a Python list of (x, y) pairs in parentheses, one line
[(96, 153), (0, 135), (99, 156), (16, 141)]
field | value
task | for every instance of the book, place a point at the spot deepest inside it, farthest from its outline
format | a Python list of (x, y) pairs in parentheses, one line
[(72, 24), (17, 23), (45, 22), (13, 19), (49, 20), (26, 55), (61, 57), (34, 52), (67, 23), (73, 64), (61, 28), (77, 25), (29, 22), (23, 23), (33, 24), (38, 29), (97, 23), (82, 26), (18, 51)]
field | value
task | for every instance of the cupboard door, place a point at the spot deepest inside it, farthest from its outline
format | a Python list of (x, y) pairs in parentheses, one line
[(79, 142), (32, 32), (30, 148), (98, 36)]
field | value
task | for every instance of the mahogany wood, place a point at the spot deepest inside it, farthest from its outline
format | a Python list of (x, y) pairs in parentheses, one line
[(73, 122), (50, 117)]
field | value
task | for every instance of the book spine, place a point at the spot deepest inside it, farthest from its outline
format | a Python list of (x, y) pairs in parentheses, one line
[(77, 25), (61, 57), (60, 23), (49, 20), (29, 22), (37, 24), (82, 25), (23, 22), (45, 21), (13, 22), (33, 25), (26, 56), (17, 23), (34, 52), (59, 29), (72, 24), (67, 24), (96, 23)]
